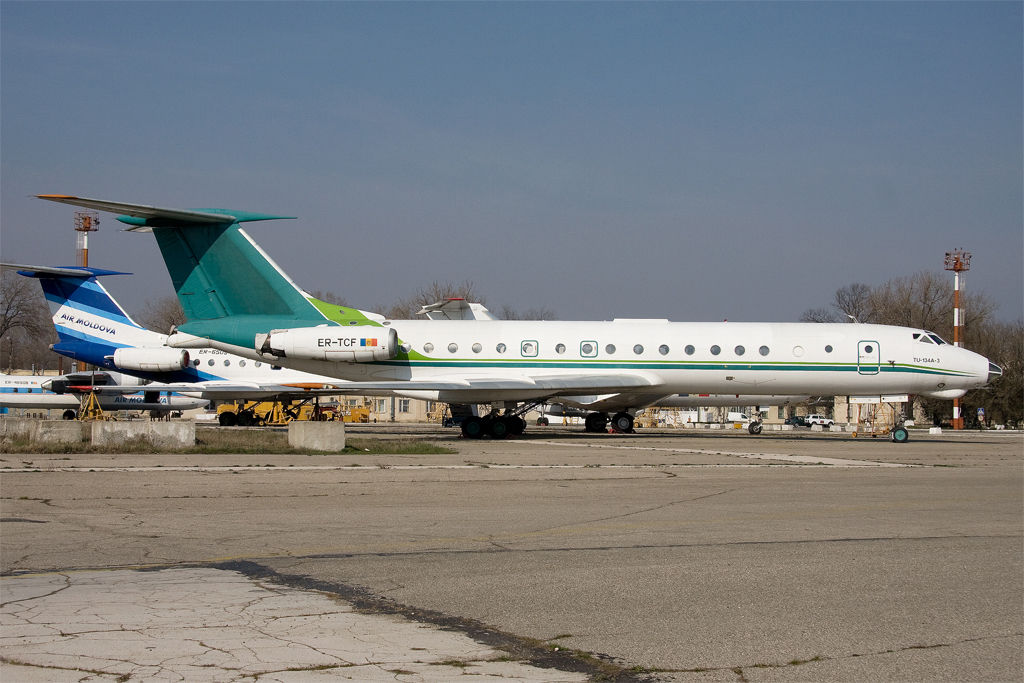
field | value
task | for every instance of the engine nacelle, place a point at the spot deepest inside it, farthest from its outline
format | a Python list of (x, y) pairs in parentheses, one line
[(332, 343), (160, 359)]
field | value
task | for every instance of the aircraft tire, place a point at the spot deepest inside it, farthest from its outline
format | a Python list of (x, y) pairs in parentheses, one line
[(69, 414), (900, 435), (499, 428), (542, 422), (596, 422), (755, 427), (473, 428), (517, 426), (623, 422)]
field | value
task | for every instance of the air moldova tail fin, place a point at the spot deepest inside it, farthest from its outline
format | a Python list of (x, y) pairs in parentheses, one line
[(228, 287), (90, 324)]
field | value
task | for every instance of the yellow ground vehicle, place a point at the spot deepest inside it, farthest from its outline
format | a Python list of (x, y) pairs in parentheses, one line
[(259, 413)]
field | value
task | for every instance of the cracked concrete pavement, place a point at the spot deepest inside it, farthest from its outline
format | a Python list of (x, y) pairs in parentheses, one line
[(219, 625), (663, 557)]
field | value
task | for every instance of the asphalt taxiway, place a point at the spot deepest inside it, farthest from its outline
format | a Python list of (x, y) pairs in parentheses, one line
[(663, 556)]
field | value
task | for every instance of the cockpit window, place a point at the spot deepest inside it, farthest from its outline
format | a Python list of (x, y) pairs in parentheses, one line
[(928, 338)]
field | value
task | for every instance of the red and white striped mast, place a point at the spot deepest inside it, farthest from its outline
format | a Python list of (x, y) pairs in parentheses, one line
[(85, 222), (957, 261)]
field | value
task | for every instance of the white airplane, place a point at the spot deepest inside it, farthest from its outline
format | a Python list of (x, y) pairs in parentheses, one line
[(66, 391), (238, 300)]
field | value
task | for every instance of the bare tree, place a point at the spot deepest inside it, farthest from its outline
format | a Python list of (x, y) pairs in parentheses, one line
[(20, 299), (854, 301), (406, 309), (163, 314), (542, 313), (25, 329), (818, 315)]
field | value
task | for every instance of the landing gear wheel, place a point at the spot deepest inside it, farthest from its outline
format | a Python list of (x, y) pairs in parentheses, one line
[(596, 422), (498, 427), (473, 428), (517, 426), (900, 435), (227, 419), (623, 422), (542, 422), (69, 414), (755, 427)]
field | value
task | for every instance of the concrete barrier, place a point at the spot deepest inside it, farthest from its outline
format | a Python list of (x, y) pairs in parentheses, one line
[(835, 428), (817, 428), (160, 434), (786, 428), (317, 436), (935, 430), (41, 431)]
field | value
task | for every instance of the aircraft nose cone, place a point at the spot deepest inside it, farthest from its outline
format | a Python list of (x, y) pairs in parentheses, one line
[(994, 372)]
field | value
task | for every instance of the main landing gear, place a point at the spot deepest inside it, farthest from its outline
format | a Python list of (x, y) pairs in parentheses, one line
[(494, 425), (621, 422)]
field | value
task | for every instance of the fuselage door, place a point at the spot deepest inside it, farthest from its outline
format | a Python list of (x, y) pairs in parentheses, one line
[(868, 357)]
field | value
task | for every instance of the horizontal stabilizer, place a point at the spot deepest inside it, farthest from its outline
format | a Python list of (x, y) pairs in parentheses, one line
[(60, 271), (141, 216)]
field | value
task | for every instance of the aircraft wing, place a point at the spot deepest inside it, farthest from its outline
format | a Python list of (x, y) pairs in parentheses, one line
[(569, 383), (609, 402), (541, 385)]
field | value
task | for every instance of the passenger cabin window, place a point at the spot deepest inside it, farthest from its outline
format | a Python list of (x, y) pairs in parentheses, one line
[(588, 349), (559, 348), (500, 348), (477, 348), (529, 348), (740, 350), (610, 349), (663, 349), (428, 347), (690, 350), (715, 350), (763, 350), (638, 349)]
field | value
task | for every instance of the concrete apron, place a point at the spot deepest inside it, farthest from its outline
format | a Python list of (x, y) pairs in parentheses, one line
[(207, 624)]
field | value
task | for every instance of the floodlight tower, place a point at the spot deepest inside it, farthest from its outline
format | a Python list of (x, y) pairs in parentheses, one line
[(85, 222), (957, 261)]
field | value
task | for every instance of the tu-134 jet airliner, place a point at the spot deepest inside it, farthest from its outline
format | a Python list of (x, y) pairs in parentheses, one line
[(238, 300)]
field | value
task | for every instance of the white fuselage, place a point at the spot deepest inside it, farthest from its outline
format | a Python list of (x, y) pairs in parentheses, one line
[(26, 391), (726, 358)]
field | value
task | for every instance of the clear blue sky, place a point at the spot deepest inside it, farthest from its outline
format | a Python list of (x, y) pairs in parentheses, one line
[(695, 161)]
